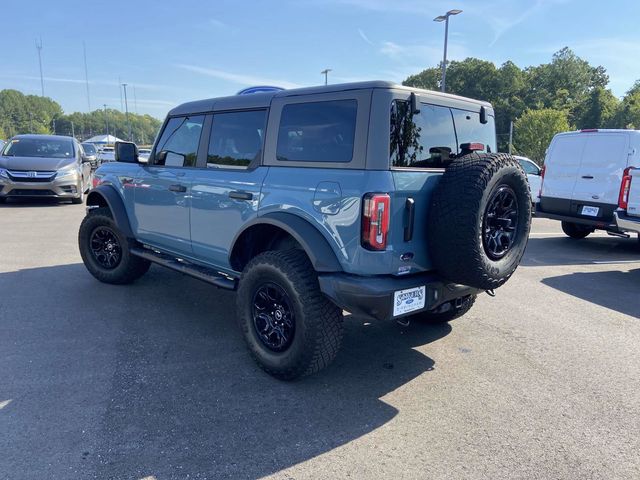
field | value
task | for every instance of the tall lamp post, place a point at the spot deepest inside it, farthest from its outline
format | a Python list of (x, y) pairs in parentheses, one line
[(126, 109), (106, 119), (325, 72), (445, 18)]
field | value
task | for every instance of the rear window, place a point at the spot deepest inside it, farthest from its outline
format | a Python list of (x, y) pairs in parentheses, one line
[(432, 138), (317, 131)]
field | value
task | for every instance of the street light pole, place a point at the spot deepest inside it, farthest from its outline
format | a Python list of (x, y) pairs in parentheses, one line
[(445, 18), (325, 72), (106, 119), (126, 109)]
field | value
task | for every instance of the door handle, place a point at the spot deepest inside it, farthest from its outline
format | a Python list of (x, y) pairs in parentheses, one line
[(178, 188), (588, 177), (241, 195)]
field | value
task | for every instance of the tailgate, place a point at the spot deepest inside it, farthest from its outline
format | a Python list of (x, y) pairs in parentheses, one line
[(633, 207), (412, 187)]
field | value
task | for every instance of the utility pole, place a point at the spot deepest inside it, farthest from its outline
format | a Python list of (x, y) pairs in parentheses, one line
[(510, 136), (325, 72), (120, 88), (106, 119), (86, 74), (39, 48), (73, 131), (30, 122), (53, 121), (126, 109), (135, 101)]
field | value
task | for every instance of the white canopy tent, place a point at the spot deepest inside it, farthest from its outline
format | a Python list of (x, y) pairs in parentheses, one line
[(103, 140)]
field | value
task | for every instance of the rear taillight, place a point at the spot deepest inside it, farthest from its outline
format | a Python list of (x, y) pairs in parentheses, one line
[(542, 172), (625, 186), (375, 221), (96, 182)]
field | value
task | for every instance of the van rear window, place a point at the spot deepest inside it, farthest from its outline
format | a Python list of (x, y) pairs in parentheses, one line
[(432, 138), (317, 131)]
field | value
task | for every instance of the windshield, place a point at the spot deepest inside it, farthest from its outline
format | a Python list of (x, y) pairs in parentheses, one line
[(39, 147), (89, 148)]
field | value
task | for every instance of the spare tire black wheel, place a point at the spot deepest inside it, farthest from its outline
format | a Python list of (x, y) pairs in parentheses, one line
[(479, 220)]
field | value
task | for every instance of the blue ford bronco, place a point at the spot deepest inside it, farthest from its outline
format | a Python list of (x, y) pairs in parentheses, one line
[(385, 201)]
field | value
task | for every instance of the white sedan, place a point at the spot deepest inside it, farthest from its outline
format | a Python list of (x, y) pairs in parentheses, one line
[(533, 172)]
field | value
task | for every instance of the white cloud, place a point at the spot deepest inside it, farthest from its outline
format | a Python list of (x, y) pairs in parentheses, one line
[(364, 37), (424, 53), (83, 81), (215, 23), (238, 78)]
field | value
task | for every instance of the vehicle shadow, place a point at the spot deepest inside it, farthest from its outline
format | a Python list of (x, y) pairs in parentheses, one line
[(567, 251), (588, 286), (33, 202), (154, 379)]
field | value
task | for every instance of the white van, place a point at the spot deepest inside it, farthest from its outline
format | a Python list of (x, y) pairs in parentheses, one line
[(581, 178)]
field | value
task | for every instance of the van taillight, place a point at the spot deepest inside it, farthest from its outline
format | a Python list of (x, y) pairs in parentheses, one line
[(542, 172), (375, 221), (625, 186)]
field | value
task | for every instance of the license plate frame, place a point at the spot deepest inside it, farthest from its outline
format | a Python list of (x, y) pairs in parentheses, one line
[(409, 300), (590, 211)]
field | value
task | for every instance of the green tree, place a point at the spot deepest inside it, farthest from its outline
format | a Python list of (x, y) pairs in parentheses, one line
[(597, 110), (534, 130), (628, 112)]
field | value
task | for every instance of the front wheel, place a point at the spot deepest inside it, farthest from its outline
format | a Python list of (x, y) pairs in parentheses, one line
[(291, 329), (575, 230), (105, 251), (446, 313)]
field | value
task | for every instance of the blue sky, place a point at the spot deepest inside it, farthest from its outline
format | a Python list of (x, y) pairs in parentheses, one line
[(202, 49)]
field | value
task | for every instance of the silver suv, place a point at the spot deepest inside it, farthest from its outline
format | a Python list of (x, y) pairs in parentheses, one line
[(44, 166)]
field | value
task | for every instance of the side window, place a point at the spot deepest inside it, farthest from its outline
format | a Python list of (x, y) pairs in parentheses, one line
[(317, 131), (178, 145), (470, 130), (529, 168), (236, 139), (425, 140)]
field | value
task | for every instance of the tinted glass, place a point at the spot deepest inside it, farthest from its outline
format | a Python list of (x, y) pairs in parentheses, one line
[(39, 147), (89, 149), (529, 168), (470, 130), (236, 138), (426, 139), (318, 131), (179, 141)]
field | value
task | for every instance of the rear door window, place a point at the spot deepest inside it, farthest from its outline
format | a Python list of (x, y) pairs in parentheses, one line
[(317, 131), (236, 139), (426, 139), (178, 145)]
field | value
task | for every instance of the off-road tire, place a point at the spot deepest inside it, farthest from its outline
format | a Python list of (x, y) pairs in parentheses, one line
[(575, 230), (457, 214), (129, 268), (318, 322), (443, 317)]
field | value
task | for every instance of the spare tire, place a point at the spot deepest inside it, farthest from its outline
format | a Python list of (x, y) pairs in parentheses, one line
[(479, 220)]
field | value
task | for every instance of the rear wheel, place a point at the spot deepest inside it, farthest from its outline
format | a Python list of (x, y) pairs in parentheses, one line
[(575, 230), (447, 312), (105, 251), (290, 327)]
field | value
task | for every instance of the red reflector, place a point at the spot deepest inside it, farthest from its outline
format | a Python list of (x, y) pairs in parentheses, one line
[(587, 130), (96, 182), (542, 172), (625, 186), (375, 220)]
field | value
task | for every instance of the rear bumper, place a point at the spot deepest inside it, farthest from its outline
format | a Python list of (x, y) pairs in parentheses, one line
[(605, 223), (373, 297), (627, 222)]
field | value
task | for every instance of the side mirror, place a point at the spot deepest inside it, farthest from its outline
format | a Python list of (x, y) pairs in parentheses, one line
[(126, 152)]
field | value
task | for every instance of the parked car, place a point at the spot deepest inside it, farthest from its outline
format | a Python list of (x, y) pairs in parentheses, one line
[(627, 216), (382, 200), (144, 153), (581, 178), (44, 166), (533, 171), (91, 153), (106, 154)]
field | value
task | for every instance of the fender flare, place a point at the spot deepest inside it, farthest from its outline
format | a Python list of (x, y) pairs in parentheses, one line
[(112, 198), (320, 253)]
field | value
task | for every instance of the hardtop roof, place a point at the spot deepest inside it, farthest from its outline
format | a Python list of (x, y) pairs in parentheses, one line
[(261, 100)]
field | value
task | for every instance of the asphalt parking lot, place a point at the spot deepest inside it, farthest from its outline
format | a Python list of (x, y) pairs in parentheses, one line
[(153, 380)]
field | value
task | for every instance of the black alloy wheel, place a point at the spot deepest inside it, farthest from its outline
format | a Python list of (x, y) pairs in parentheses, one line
[(273, 317), (500, 222), (105, 247)]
